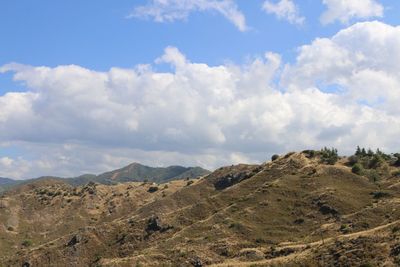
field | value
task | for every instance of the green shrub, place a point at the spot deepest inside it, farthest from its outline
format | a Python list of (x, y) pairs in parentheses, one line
[(345, 228), (380, 194), (353, 160), (329, 156), (152, 189), (357, 169), (397, 162), (274, 157), (310, 153), (396, 229), (376, 161), (373, 175), (27, 243)]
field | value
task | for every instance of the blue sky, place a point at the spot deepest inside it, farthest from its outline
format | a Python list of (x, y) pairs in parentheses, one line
[(97, 34), (258, 58)]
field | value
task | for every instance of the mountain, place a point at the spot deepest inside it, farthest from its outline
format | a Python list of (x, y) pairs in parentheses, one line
[(139, 173), (301, 209), (133, 172), (6, 183)]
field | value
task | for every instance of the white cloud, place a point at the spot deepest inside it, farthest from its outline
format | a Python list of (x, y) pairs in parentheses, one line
[(284, 9), (6, 161), (75, 120), (171, 10), (360, 59), (345, 10)]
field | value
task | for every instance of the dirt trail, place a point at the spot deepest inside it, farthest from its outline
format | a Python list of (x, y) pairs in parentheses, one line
[(302, 254)]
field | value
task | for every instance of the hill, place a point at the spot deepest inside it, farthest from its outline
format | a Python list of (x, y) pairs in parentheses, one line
[(302, 209), (134, 172), (139, 173), (6, 183)]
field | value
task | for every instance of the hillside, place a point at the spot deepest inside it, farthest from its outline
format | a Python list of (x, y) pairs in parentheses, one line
[(302, 209)]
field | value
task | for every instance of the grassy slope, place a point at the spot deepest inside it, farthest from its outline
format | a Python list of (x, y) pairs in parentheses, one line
[(288, 212)]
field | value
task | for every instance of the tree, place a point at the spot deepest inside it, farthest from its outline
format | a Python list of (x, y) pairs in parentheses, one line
[(329, 156), (363, 152), (358, 151), (397, 163)]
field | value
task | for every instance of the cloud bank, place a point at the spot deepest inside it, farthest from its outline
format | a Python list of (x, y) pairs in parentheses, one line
[(342, 91)]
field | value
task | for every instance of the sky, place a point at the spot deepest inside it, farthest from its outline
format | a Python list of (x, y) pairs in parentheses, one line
[(90, 86)]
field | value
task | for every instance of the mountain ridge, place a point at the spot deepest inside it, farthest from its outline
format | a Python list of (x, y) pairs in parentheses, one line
[(132, 172)]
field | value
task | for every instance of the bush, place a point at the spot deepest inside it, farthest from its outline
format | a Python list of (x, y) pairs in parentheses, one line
[(373, 176), (27, 243), (274, 157), (310, 153), (396, 173), (376, 161), (396, 229), (380, 194), (357, 169), (329, 156), (353, 160), (152, 189), (397, 162)]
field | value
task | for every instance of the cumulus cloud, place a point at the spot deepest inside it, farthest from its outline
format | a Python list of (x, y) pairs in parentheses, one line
[(345, 10), (341, 91), (360, 61), (171, 10), (284, 9)]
